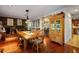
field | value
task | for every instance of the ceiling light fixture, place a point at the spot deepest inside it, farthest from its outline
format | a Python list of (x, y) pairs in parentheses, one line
[(27, 14), (75, 11)]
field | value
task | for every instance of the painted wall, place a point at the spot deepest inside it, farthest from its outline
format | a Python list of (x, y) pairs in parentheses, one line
[(68, 27)]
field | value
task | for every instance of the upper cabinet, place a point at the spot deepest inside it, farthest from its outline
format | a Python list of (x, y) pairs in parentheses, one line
[(56, 32)]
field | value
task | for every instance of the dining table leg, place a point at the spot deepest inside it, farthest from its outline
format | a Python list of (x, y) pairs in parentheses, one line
[(25, 44)]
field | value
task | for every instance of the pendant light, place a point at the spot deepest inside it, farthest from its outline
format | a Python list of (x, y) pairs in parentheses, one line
[(27, 14)]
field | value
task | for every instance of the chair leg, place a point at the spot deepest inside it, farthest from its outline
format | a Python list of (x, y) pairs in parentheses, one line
[(33, 47), (37, 48)]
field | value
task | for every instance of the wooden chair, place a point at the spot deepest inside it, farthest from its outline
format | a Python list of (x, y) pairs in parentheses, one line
[(2, 36), (37, 44), (1, 50), (21, 43)]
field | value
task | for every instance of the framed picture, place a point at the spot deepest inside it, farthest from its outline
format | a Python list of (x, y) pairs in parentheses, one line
[(10, 22), (19, 22)]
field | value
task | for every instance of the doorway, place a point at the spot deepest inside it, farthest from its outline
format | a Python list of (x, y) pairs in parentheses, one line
[(75, 26), (75, 33)]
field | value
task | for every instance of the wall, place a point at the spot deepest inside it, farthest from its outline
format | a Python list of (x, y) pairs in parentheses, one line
[(68, 27), (4, 22)]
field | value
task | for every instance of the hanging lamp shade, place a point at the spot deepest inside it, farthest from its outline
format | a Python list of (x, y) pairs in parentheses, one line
[(27, 14)]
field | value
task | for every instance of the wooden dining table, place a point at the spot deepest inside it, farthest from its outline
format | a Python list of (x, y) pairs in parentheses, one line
[(27, 36)]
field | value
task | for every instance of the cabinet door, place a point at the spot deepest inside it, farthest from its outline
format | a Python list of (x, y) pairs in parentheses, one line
[(57, 34)]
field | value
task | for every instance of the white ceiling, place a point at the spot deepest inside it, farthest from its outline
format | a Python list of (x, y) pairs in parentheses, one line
[(73, 10), (35, 11)]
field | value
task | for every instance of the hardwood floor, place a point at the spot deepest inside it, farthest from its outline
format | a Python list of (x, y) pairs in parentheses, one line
[(74, 41), (53, 47), (10, 45)]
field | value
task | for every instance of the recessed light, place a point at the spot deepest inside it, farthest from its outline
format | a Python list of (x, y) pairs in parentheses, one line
[(76, 10)]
